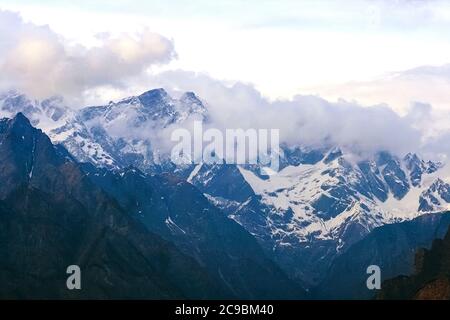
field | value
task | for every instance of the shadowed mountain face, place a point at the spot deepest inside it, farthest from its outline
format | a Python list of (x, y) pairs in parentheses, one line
[(431, 280), (51, 217), (41, 236), (55, 213), (391, 247), (177, 211)]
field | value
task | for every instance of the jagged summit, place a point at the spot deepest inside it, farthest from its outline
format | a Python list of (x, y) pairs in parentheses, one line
[(47, 113), (333, 154), (152, 97), (190, 96), (21, 119), (122, 133), (18, 125)]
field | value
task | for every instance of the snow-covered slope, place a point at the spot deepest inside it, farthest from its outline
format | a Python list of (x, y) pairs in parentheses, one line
[(125, 132), (46, 114), (327, 196), (436, 198), (316, 207)]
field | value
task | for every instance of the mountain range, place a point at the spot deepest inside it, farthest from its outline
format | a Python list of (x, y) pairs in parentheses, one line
[(102, 173), (57, 212)]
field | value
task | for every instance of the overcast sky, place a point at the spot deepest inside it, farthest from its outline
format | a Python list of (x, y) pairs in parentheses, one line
[(282, 47), (240, 55)]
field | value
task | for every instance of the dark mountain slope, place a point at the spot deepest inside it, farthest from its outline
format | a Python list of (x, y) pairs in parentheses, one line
[(178, 212), (431, 279), (391, 247), (52, 216)]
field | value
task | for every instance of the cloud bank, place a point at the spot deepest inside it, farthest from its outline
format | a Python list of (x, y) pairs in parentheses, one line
[(430, 84), (40, 62), (306, 119)]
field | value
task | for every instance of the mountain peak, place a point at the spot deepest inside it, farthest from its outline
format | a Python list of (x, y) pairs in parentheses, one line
[(438, 182), (21, 119), (161, 91), (19, 123), (192, 104), (411, 157), (333, 154), (191, 97), (153, 96)]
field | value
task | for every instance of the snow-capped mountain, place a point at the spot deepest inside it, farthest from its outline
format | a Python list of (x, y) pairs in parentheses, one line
[(328, 195), (320, 203), (47, 114), (124, 133), (436, 197), (314, 209)]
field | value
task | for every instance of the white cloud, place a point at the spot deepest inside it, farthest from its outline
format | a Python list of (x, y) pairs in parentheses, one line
[(40, 62), (429, 84), (305, 120), (420, 94)]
